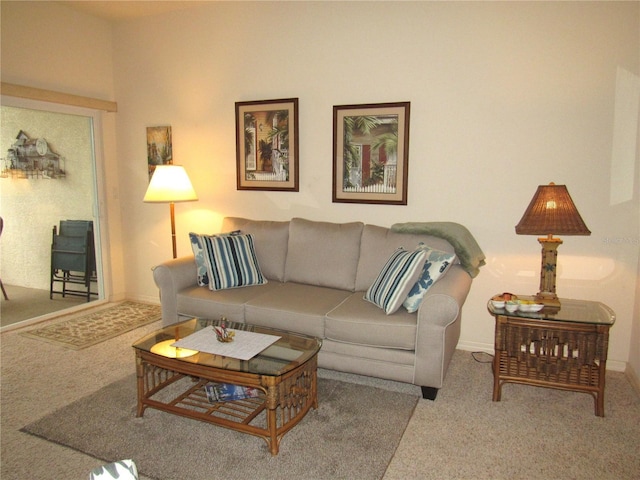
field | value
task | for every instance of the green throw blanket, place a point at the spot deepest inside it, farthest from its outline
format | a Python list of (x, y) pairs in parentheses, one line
[(467, 249)]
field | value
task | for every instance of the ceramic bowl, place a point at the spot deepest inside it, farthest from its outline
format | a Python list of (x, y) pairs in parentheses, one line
[(531, 307), (497, 303), (511, 307)]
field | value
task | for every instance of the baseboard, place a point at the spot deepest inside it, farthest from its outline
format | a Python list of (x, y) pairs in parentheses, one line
[(613, 365), (475, 347), (152, 300), (633, 378)]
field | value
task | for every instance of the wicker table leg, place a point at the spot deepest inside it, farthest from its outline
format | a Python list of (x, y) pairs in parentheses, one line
[(497, 387)]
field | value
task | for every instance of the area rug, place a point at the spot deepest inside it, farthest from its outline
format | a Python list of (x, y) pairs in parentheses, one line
[(87, 329), (352, 435)]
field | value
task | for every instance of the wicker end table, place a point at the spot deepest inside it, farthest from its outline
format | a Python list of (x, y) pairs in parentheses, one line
[(563, 348)]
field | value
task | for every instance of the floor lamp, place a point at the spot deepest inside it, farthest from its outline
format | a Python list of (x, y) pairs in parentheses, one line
[(170, 184), (551, 211)]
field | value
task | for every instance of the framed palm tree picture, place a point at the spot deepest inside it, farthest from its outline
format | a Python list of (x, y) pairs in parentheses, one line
[(267, 145), (371, 153)]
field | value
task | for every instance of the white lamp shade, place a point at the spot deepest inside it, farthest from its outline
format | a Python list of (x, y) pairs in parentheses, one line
[(170, 183)]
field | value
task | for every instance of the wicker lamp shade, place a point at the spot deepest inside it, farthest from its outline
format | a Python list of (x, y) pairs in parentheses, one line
[(552, 211)]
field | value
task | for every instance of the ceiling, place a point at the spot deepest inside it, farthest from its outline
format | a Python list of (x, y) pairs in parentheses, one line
[(124, 10)]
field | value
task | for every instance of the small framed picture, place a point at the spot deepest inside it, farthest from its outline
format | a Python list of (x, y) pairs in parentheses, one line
[(159, 148), (267, 145), (371, 153)]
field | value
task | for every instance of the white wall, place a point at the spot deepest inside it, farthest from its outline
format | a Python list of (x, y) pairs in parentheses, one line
[(504, 97)]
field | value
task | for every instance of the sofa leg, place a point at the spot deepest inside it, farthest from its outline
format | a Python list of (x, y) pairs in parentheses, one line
[(429, 393)]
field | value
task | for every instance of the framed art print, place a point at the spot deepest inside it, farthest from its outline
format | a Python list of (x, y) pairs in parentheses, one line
[(371, 153), (267, 145), (159, 147)]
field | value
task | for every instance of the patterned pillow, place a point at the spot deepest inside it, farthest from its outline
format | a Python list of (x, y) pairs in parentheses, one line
[(122, 470), (395, 279), (435, 266), (197, 245), (231, 261)]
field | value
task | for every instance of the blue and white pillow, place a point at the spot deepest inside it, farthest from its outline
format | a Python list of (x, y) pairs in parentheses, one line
[(200, 255), (435, 266), (395, 279), (122, 470), (231, 261), (201, 261)]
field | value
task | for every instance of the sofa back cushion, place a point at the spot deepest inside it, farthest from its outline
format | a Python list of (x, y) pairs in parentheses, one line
[(378, 243), (324, 254), (270, 240)]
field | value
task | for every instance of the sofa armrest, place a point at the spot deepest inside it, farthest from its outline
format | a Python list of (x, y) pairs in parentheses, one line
[(439, 326), (171, 277)]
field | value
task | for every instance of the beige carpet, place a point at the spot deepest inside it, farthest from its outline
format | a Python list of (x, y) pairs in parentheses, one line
[(353, 434), (86, 329), (533, 433)]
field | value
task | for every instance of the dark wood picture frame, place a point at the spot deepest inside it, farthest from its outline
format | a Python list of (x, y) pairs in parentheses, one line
[(267, 145), (371, 153)]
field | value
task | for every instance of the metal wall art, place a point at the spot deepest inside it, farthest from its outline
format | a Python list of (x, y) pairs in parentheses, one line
[(31, 158)]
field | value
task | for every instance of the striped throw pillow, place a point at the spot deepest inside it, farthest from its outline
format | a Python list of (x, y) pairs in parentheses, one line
[(231, 261), (200, 256), (396, 279)]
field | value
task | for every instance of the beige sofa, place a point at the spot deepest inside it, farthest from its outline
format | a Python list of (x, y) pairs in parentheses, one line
[(317, 274)]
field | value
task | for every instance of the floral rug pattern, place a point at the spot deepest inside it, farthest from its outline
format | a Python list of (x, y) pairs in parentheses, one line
[(85, 330)]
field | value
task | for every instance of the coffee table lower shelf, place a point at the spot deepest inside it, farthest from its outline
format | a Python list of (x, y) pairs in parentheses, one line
[(286, 399)]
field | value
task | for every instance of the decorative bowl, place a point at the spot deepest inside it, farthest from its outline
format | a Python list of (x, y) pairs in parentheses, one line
[(511, 307), (531, 307), (497, 303)]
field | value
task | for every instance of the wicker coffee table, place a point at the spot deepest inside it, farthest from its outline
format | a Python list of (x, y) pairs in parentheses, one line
[(285, 374)]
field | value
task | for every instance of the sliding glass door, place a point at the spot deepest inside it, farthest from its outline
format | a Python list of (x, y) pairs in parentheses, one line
[(49, 173)]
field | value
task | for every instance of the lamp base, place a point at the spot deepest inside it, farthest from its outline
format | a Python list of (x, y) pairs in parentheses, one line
[(550, 301)]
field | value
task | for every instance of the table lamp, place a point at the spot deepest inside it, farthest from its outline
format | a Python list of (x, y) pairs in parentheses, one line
[(551, 211), (170, 184)]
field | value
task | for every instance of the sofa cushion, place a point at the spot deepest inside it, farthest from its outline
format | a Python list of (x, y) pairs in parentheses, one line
[(295, 307), (360, 322), (323, 254), (395, 280), (202, 302), (231, 261), (435, 266), (380, 242), (270, 240)]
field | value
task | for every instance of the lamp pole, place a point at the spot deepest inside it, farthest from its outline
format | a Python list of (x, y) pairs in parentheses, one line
[(173, 229)]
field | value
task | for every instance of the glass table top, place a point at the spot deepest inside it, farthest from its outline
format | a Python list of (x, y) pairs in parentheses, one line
[(288, 352), (581, 311)]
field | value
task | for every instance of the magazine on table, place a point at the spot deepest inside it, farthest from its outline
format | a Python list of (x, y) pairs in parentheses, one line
[(227, 392)]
